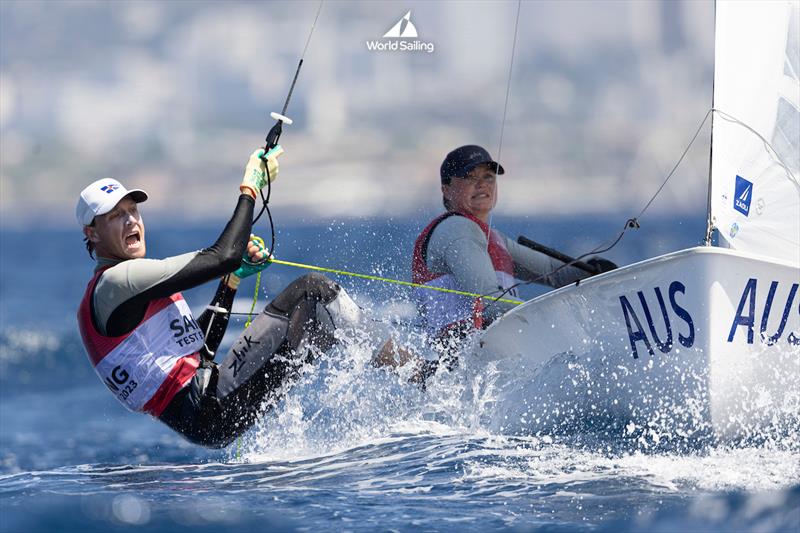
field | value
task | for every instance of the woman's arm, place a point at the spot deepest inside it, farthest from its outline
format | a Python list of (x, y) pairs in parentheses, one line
[(530, 265)]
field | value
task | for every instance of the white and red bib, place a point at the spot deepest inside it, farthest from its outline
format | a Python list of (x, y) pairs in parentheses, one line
[(442, 310), (145, 368)]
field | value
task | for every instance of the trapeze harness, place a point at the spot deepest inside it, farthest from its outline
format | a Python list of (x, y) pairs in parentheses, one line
[(146, 367), (443, 312)]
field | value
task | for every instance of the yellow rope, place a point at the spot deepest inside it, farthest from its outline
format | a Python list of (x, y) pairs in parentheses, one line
[(255, 300), (261, 242), (389, 280), (355, 275)]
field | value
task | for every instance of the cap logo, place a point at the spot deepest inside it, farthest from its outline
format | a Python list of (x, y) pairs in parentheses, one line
[(108, 189)]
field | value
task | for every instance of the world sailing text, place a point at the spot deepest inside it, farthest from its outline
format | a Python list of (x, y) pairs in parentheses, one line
[(400, 46)]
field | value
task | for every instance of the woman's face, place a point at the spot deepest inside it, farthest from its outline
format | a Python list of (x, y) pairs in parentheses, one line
[(474, 194)]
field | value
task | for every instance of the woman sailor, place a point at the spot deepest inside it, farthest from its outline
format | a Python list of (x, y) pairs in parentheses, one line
[(458, 250)]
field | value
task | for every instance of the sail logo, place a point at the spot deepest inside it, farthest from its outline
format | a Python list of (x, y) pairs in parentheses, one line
[(743, 195), (404, 28), (402, 37)]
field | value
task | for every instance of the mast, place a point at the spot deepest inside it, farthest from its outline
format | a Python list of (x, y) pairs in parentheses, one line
[(709, 221)]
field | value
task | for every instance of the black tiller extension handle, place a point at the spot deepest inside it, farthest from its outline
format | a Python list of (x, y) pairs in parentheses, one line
[(555, 254)]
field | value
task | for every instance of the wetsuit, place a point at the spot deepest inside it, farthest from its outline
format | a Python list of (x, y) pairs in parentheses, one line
[(460, 252), (137, 329)]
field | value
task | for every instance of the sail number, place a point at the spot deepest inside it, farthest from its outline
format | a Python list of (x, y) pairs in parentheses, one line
[(746, 314), (641, 315), (638, 334)]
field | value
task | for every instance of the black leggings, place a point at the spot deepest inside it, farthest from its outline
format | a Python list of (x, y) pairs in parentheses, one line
[(263, 361)]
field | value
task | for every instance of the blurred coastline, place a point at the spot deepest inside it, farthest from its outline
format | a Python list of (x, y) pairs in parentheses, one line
[(173, 96)]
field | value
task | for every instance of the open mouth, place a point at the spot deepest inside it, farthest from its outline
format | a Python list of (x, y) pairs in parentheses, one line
[(133, 240)]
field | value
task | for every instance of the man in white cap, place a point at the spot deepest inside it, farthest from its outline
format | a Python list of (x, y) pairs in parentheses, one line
[(152, 354)]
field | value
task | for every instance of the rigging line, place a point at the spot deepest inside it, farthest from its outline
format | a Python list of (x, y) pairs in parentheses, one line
[(709, 222), (265, 207), (630, 223), (387, 280), (602, 248), (271, 142), (300, 63), (730, 118), (505, 104), (277, 130), (508, 83), (310, 33), (680, 160)]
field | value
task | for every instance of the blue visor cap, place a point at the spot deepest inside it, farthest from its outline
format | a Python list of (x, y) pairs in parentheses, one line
[(460, 161)]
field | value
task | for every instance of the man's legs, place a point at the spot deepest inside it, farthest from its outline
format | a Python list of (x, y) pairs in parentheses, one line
[(268, 356)]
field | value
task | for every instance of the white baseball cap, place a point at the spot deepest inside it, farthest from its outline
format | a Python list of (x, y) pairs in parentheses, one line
[(101, 196)]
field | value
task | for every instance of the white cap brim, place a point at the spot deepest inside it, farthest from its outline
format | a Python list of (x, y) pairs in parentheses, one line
[(101, 197), (137, 195)]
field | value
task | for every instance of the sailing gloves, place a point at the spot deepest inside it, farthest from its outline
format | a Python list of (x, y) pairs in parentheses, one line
[(259, 169), (255, 259)]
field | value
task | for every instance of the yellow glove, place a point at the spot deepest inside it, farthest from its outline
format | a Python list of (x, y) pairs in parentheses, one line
[(259, 168)]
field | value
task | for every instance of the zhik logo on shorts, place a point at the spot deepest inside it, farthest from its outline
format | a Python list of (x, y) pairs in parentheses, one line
[(402, 37), (742, 196)]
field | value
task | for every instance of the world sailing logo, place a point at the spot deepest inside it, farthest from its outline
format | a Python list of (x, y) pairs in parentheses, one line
[(743, 195), (402, 37), (404, 28)]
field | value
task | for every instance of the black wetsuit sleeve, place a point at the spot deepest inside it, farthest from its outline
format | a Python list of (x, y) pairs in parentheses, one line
[(217, 319), (223, 257)]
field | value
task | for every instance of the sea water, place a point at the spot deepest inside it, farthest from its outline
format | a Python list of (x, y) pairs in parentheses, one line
[(350, 447)]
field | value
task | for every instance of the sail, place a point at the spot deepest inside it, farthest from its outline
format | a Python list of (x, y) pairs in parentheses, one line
[(755, 192)]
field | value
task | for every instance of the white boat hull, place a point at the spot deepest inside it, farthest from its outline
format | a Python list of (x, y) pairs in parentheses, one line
[(704, 341)]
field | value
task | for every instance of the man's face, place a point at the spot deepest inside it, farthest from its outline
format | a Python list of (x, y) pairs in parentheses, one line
[(475, 194), (119, 234)]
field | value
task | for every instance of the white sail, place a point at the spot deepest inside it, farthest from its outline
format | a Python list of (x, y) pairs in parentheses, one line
[(755, 192)]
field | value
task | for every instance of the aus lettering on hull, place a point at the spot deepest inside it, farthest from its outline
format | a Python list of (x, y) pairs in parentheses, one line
[(637, 333), (746, 313)]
